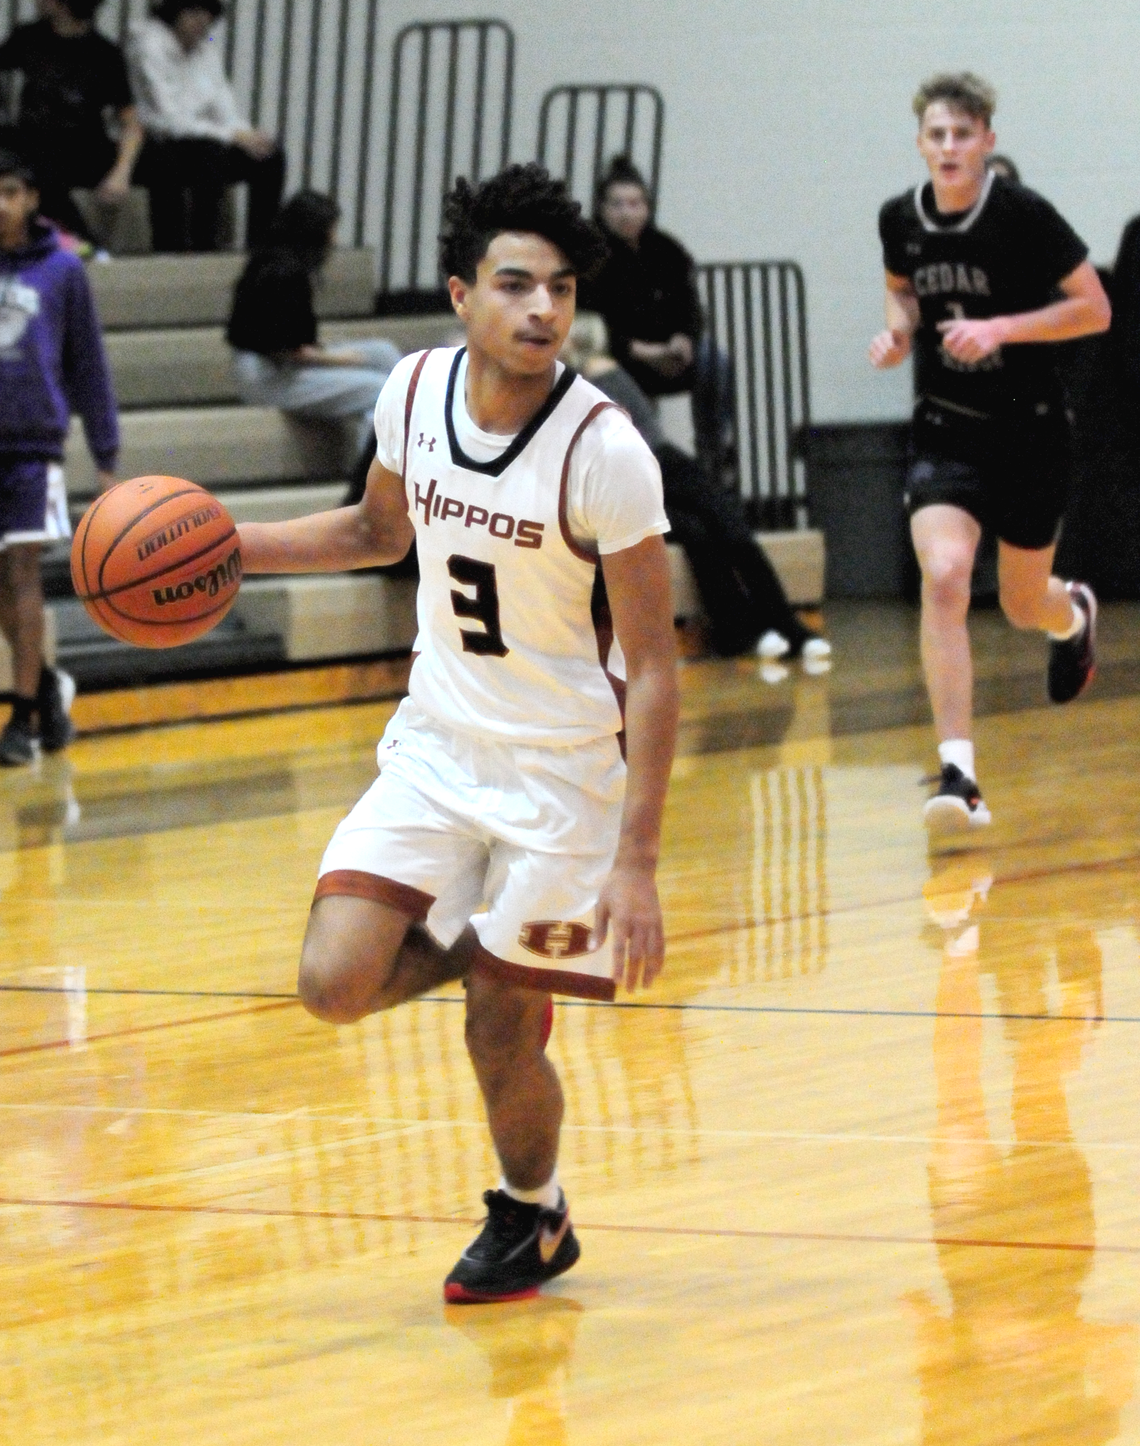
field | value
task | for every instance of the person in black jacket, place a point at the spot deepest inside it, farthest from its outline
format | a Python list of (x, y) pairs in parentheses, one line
[(647, 294)]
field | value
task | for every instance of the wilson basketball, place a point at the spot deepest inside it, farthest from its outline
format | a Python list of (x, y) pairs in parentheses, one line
[(156, 561)]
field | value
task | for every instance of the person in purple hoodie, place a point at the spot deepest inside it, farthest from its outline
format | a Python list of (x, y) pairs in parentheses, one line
[(51, 359)]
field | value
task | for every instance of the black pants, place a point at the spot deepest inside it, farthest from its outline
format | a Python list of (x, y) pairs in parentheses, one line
[(187, 180), (61, 166), (739, 589)]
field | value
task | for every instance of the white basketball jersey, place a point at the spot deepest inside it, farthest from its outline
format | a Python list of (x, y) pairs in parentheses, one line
[(507, 642)]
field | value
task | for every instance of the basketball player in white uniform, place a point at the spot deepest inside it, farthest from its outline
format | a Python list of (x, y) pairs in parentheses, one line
[(502, 786)]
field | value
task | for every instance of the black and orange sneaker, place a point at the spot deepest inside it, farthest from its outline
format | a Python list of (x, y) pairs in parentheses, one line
[(957, 805), (519, 1248), (1072, 663)]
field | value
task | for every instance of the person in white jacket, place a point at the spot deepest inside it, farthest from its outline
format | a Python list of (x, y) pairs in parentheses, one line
[(198, 140)]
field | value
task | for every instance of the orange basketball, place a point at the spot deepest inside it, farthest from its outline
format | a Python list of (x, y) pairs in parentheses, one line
[(156, 561)]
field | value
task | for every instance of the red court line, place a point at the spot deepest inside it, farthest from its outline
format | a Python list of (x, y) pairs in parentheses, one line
[(145, 1028), (823, 1237)]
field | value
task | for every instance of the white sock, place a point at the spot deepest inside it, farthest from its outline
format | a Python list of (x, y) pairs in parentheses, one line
[(959, 752), (547, 1195), (1075, 628)]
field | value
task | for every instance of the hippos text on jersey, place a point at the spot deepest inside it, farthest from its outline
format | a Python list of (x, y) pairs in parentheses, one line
[(502, 525)]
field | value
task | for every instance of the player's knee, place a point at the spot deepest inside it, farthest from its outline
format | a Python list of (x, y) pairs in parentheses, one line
[(946, 579), (328, 994)]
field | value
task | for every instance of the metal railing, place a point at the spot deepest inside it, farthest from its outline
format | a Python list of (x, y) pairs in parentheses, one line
[(458, 110), (581, 126), (756, 315)]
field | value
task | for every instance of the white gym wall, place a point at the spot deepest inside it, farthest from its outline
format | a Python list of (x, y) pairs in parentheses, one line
[(788, 122)]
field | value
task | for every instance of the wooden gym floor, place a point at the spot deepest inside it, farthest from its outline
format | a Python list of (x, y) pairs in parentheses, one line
[(863, 1168)]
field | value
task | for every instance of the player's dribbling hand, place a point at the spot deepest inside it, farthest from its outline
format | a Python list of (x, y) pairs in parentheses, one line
[(971, 341), (629, 908), (889, 349)]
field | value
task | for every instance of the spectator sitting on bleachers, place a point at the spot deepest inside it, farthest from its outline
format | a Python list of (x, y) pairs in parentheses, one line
[(745, 602), (72, 75), (273, 328), (647, 294), (198, 141)]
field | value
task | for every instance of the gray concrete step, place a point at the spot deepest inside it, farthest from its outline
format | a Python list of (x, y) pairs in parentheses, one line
[(331, 615), (154, 291), (281, 504), (95, 660), (192, 366), (218, 447)]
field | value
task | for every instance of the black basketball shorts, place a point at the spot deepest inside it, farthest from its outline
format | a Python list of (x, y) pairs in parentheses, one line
[(1009, 473)]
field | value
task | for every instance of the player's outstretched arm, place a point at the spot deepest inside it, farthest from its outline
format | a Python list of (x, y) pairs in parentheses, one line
[(641, 603), (374, 532), (1083, 310), (892, 346)]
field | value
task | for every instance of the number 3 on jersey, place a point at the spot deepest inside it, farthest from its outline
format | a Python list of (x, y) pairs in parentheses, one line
[(484, 605)]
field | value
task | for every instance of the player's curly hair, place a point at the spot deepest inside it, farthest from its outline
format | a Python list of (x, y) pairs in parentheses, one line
[(519, 198), (961, 90)]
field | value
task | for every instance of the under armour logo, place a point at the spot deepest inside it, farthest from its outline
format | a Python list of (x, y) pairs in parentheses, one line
[(430, 445)]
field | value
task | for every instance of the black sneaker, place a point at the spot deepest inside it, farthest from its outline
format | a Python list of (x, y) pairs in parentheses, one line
[(957, 805), (54, 700), (519, 1247), (1072, 663), (18, 744)]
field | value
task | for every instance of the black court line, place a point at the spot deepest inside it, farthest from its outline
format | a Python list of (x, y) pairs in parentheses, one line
[(649, 1004)]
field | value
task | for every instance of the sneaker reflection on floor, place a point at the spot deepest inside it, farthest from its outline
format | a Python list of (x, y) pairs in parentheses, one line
[(528, 1345)]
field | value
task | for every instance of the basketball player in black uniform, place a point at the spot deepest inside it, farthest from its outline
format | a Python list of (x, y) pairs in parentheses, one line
[(982, 275)]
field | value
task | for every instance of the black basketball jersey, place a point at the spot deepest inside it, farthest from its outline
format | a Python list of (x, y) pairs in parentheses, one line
[(1005, 255)]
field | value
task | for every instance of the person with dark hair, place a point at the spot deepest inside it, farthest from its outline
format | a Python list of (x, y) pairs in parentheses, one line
[(983, 278), (198, 141), (51, 360), (647, 295), (543, 600), (72, 77), (745, 603), (273, 327)]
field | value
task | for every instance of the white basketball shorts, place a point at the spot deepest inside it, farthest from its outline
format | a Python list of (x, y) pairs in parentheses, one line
[(455, 824)]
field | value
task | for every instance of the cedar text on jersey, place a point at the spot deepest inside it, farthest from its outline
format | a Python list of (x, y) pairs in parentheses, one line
[(499, 524), (941, 278)]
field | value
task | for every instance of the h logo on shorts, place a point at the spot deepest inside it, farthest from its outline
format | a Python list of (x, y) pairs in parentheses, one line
[(553, 939)]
